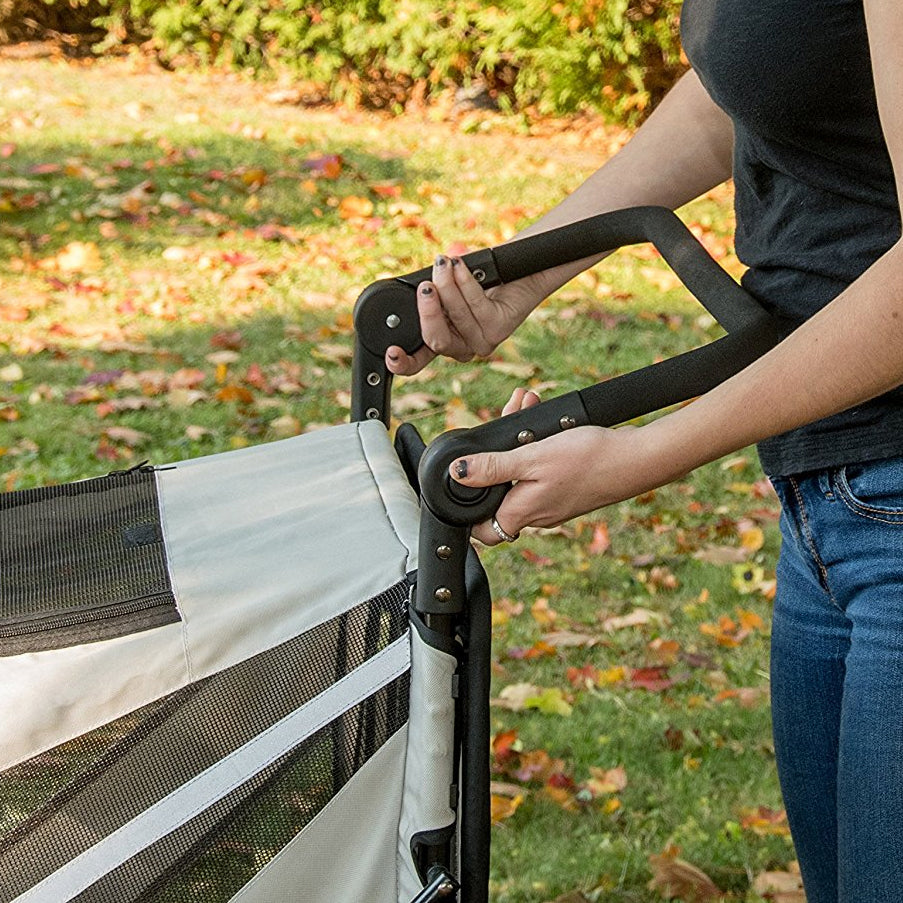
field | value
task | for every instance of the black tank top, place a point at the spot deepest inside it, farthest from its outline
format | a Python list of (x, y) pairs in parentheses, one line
[(815, 197)]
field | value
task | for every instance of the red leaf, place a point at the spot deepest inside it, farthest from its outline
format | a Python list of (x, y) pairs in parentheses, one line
[(652, 679), (539, 560), (503, 745)]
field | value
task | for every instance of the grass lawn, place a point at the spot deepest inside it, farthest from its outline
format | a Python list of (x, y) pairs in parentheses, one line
[(179, 255)]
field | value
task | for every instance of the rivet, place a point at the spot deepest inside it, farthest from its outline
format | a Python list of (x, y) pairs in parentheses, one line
[(524, 437), (372, 414), (479, 275), (443, 594), (444, 553), (373, 379), (567, 422), (446, 888), (393, 321)]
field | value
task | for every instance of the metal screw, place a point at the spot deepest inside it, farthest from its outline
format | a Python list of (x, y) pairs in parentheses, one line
[(567, 422), (445, 889), (373, 379), (524, 437), (479, 275), (444, 553), (372, 414), (443, 594), (393, 321)]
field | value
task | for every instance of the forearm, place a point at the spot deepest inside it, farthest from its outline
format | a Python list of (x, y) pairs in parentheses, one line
[(849, 352), (683, 150)]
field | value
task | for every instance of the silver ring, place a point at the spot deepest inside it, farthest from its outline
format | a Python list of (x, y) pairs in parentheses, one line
[(503, 534)]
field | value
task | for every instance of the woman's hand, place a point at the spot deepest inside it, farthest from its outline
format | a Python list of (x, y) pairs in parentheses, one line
[(567, 475), (459, 319)]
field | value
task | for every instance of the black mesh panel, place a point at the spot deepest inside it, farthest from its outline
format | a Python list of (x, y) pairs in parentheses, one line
[(60, 803), (212, 857), (82, 562)]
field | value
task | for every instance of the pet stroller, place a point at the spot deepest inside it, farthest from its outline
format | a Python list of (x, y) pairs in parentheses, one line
[(263, 675)]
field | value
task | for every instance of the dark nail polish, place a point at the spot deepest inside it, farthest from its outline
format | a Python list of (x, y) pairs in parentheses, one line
[(392, 356), (461, 469), (455, 261), (426, 290), (441, 261)]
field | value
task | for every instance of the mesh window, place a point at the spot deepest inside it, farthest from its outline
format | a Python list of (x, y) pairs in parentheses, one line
[(82, 562), (62, 802), (212, 857)]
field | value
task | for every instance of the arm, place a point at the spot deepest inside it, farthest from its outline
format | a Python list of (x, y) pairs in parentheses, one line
[(853, 347), (459, 319)]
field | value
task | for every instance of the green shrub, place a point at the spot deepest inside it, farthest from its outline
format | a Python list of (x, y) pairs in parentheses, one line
[(613, 56)]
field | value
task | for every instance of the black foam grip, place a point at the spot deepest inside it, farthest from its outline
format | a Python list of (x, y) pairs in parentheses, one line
[(730, 304), (678, 378)]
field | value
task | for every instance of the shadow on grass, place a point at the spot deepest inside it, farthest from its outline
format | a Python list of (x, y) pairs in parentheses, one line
[(150, 191)]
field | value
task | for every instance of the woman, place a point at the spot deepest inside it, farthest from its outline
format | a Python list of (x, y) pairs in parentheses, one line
[(802, 103)]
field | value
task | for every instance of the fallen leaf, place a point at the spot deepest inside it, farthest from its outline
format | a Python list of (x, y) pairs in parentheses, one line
[(11, 373), (674, 878), (780, 887), (603, 783), (639, 617), (569, 639), (765, 821), (550, 701), (126, 435), (542, 613), (502, 807), (713, 554), (601, 542), (513, 696), (354, 207)]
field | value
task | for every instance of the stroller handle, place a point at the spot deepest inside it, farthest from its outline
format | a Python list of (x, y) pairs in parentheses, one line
[(386, 311)]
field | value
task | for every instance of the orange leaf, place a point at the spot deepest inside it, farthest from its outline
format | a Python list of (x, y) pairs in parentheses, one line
[(354, 207), (234, 393), (601, 542), (502, 807), (503, 745)]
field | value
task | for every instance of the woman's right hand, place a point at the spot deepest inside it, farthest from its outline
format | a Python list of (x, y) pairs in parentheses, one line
[(461, 320)]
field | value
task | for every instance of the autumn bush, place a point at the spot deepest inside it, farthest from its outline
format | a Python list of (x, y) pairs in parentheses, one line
[(612, 56)]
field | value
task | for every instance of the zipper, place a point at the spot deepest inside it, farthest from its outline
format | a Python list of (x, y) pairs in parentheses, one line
[(92, 616)]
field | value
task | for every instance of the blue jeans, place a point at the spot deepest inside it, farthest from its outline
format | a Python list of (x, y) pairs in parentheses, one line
[(837, 679)]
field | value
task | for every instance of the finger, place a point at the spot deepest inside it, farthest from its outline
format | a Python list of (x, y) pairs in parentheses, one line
[(456, 307), (399, 362), (520, 399), (491, 468), (513, 515), (434, 326)]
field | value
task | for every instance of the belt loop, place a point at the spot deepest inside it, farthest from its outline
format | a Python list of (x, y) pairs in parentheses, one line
[(826, 483)]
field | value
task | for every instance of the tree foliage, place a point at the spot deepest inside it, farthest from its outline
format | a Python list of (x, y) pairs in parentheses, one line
[(613, 56)]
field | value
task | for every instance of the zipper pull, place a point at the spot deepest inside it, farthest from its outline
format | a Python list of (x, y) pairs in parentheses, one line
[(141, 467)]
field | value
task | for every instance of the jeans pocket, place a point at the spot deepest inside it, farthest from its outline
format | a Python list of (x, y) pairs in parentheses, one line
[(873, 489)]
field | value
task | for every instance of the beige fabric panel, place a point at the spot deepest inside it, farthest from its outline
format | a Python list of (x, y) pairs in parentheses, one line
[(347, 853), (49, 697), (310, 536), (429, 770)]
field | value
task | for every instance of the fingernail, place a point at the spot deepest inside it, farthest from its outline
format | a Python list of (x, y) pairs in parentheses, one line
[(461, 469), (426, 290), (392, 356), (455, 261), (441, 261)]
